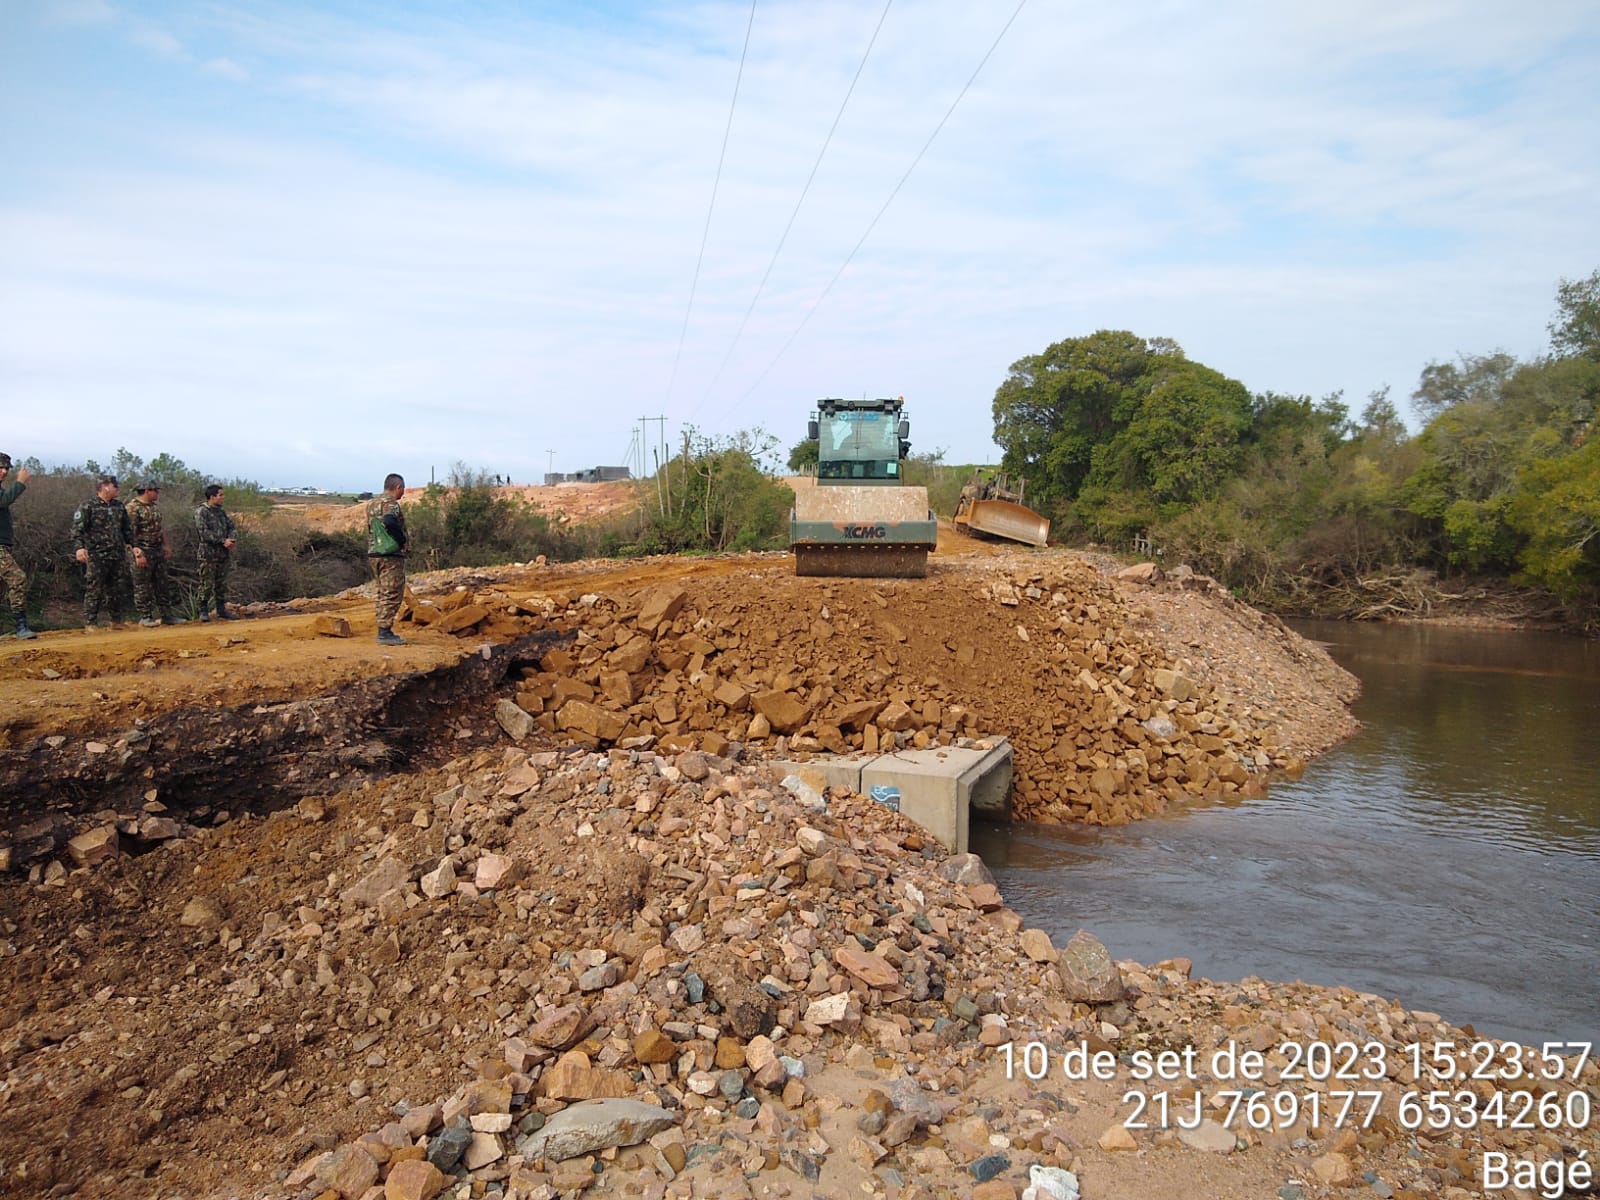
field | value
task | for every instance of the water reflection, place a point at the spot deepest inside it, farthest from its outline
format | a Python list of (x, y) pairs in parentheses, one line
[(1449, 854)]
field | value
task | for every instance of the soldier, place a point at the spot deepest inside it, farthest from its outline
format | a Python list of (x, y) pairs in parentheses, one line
[(151, 553), (100, 536), (386, 551), (13, 583), (216, 548)]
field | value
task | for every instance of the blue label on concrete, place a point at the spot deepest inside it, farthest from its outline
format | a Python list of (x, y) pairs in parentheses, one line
[(887, 795)]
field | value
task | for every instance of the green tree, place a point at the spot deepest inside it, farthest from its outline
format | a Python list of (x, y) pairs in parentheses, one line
[(1472, 379), (1380, 419), (466, 524), (1575, 329), (1492, 419), (1557, 510), (171, 472), (718, 497), (803, 456), (1117, 430), (1271, 414), (1053, 409)]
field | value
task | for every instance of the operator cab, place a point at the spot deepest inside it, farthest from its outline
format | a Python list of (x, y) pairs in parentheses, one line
[(860, 441)]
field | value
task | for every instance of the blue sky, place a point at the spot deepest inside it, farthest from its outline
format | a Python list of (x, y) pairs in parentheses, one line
[(311, 244)]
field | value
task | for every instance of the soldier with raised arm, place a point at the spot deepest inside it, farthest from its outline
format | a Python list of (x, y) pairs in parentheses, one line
[(13, 583)]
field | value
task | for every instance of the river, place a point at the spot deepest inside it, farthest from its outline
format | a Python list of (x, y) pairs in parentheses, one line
[(1448, 855)]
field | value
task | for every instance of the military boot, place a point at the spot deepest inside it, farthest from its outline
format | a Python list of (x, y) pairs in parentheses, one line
[(224, 615), (23, 632), (388, 637)]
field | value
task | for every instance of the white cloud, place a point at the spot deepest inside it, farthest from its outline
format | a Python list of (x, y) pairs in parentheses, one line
[(476, 241), (227, 68), (158, 41), (79, 12)]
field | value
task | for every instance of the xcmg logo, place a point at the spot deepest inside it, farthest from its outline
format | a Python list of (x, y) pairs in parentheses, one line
[(861, 532)]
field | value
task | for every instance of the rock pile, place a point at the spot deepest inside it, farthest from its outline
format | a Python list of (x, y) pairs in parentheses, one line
[(1106, 727), (621, 973)]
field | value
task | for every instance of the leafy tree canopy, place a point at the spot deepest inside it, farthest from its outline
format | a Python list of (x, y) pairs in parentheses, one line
[(1558, 512), (803, 455), (1575, 330), (1120, 427)]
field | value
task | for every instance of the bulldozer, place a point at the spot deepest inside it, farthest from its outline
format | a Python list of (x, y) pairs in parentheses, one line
[(989, 504), (860, 518)]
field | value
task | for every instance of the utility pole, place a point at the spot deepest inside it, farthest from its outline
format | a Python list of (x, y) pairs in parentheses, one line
[(661, 456), (551, 468)]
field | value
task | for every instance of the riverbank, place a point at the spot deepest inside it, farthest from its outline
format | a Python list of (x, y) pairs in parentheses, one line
[(1421, 596)]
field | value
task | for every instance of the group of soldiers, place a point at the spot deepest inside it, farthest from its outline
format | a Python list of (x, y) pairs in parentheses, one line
[(114, 541), (117, 543)]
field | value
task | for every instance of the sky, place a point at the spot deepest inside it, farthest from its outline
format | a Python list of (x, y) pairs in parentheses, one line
[(312, 244)]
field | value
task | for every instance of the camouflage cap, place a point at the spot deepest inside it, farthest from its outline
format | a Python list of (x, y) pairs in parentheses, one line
[(105, 479), (150, 485), (5, 459)]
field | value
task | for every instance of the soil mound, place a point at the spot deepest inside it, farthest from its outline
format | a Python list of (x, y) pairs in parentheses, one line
[(1107, 725), (564, 503)]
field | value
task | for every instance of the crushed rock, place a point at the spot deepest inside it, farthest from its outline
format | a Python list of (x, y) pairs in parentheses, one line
[(830, 1027)]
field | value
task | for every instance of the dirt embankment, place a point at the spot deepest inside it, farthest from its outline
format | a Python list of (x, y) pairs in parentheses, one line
[(564, 503), (1119, 698)]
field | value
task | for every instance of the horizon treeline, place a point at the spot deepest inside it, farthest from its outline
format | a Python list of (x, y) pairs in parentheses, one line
[(1291, 500), (1295, 503)]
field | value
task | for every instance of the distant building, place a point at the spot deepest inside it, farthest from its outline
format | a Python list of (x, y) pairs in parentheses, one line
[(299, 491), (592, 475)]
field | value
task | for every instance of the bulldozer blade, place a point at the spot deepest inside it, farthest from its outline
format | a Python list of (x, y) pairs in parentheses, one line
[(877, 563), (1014, 522)]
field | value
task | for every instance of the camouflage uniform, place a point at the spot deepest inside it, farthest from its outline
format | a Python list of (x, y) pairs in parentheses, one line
[(388, 570), (151, 584), (101, 527), (215, 527), (13, 583)]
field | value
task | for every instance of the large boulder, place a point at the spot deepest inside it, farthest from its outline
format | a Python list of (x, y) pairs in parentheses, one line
[(595, 1125), (659, 607), (783, 712), (1087, 972)]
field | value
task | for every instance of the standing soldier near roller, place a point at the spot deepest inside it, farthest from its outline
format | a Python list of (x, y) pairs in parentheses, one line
[(386, 551), (217, 539), (100, 536), (13, 583), (152, 587)]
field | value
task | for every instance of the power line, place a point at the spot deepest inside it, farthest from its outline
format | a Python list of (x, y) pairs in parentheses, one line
[(874, 223), (712, 207), (761, 287)]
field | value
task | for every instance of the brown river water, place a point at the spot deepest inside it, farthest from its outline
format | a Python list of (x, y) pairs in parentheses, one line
[(1448, 855)]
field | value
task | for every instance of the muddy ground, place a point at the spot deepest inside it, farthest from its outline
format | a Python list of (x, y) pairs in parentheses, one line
[(335, 920)]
